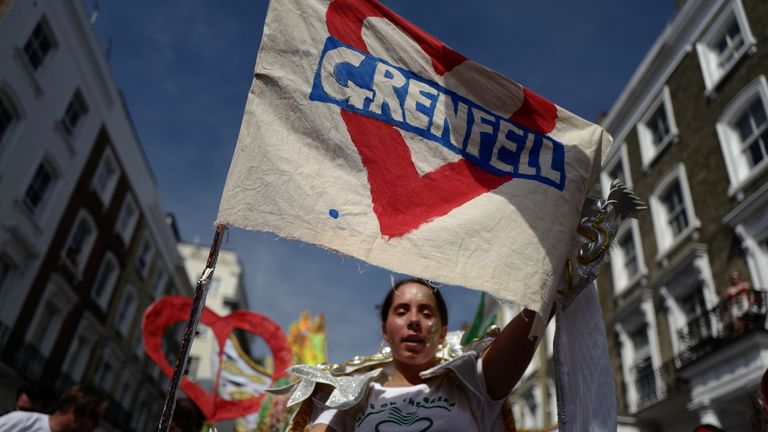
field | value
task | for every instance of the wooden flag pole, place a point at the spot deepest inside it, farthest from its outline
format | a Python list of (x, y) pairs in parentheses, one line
[(198, 302)]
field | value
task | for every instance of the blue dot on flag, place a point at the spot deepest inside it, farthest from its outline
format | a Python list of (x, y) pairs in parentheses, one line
[(333, 213)]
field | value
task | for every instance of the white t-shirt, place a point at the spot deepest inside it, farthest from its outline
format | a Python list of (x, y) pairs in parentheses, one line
[(24, 421), (440, 404)]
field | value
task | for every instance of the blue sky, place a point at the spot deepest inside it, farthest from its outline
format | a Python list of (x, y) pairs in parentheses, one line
[(186, 66)]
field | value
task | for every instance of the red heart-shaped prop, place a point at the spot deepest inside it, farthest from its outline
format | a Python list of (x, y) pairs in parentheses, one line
[(172, 309), (403, 200)]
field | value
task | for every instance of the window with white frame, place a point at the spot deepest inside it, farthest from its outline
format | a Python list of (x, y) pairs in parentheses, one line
[(688, 290), (105, 374), (145, 256), (73, 113), (38, 45), (38, 190), (56, 303), (105, 178), (138, 344), (158, 283), (743, 133), (725, 42), (80, 241), (694, 308), (127, 218), (627, 262), (645, 377), (616, 167), (657, 129), (7, 268), (126, 310), (104, 282), (672, 211), (126, 389), (7, 116), (80, 348)]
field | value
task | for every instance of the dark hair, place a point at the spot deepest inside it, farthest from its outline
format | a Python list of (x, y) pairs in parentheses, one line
[(40, 393), (442, 309), (87, 401), (187, 417)]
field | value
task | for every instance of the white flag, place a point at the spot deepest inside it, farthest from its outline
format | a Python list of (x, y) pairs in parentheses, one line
[(367, 136)]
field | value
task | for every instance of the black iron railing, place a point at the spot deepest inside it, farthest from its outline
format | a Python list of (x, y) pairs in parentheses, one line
[(730, 319)]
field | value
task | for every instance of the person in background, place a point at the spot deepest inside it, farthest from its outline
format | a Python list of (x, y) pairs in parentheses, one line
[(187, 417), (79, 409), (37, 397)]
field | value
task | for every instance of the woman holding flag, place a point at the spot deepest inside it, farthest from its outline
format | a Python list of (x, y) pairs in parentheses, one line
[(413, 390)]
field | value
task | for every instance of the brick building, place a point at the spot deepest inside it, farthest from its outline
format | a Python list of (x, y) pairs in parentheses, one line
[(691, 138), (84, 243)]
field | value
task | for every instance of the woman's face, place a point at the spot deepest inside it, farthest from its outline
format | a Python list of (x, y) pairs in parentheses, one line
[(413, 328)]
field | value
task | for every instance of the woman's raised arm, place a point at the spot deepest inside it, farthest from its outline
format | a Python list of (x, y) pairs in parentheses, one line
[(505, 361)]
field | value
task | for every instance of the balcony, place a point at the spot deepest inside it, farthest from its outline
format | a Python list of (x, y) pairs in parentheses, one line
[(705, 334), (732, 318)]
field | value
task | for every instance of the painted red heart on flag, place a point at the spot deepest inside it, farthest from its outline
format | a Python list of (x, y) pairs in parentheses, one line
[(169, 310), (402, 199)]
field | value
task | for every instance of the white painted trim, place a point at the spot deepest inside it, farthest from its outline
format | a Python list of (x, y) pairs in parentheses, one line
[(78, 355), (84, 254), (649, 151), (665, 242), (707, 58), (103, 300), (105, 193), (619, 156), (127, 233), (739, 172), (750, 224), (60, 294), (660, 62), (621, 280)]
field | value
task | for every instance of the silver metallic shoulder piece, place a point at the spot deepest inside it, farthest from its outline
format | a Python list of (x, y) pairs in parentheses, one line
[(600, 220), (342, 386)]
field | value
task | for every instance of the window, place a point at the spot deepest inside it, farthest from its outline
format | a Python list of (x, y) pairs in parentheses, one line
[(80, 242), (7, 268), (158, 283), (694, 307), (125, 310), (753, 133), (51, 313), (105, 279), (657, 129), (73, 113), (144, 258), (58, 298), (627, 247), (616, 167), (39, 186), (726, 41), (126, 220), (105, 178), (138, 344), (743, 133), (677, 219), (7, 116), (126, 389), (106, 373), (672, 211), (38, 45), (80, 348)]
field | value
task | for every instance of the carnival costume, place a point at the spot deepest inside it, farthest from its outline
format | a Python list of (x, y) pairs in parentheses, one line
[(347, 387)]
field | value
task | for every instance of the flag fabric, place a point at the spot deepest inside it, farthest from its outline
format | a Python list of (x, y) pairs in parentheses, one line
[(365, 135), (585, 389)]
